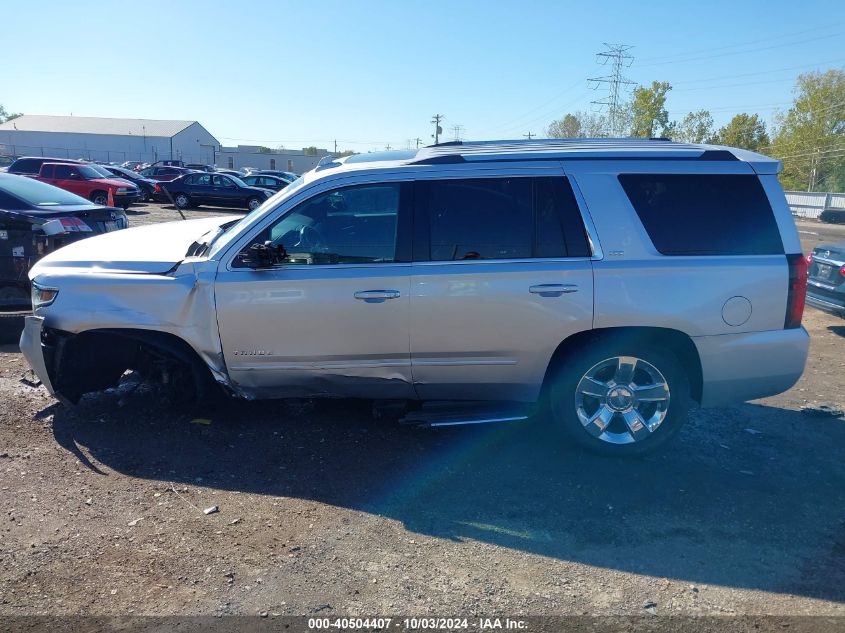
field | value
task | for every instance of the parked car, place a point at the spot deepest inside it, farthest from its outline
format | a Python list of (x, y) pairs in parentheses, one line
[(218, 190), (600, 285), (31, 165), (164, 173), (285, 175), (832, 216), (826, 282), (169, 162), (87, 181), (228, 172), (146, 185), (36, 219), (130, 164), (200, 167), (265, 181)]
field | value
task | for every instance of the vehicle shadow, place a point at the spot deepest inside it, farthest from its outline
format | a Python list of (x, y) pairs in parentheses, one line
[(839, 330), (750, 496)]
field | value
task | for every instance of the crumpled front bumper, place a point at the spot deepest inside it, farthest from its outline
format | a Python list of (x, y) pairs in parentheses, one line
[(33, 349)]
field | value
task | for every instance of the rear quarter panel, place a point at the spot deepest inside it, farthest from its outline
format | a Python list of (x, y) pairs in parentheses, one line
[(637, 286)]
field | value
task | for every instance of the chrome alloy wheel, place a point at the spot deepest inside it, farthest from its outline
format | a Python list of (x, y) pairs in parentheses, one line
[(622, 400)]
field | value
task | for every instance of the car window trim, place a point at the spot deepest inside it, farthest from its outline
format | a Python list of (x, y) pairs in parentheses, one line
[(403, 229), (421, 249)]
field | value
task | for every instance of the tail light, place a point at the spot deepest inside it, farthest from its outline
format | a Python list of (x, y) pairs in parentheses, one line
[(809, 259), (797, 293), (65, 225), (842, 271), (157, 189)]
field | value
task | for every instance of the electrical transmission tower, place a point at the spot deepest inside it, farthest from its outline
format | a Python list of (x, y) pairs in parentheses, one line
[(457, 130), (618, 58)]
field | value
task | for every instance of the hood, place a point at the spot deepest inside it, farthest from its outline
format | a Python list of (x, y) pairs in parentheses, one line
[(113, 182), (156, 248)]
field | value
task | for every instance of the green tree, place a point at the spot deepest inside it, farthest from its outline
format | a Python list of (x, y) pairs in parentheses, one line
[(695, 127), (7, 116), (567, 127), (810, 136), (648, 108), (309, 151), (578, 125), (264, 150), (746, 131)]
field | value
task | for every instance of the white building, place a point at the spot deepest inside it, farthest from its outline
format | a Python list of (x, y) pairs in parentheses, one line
[(106, 139), (293, 160)]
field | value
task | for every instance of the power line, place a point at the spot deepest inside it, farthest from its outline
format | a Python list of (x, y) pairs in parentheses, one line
[(617, 56), (743, 52), (769, 38), (457, 129)]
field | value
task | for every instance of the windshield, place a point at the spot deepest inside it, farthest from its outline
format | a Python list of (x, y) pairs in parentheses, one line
[(102, 171), (88, 172), (215, 244), (38, 193)]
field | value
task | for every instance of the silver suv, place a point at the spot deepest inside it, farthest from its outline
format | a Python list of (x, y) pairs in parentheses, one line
[(606, 283)]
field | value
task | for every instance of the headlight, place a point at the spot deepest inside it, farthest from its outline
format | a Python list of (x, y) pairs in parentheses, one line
[(42, 295)]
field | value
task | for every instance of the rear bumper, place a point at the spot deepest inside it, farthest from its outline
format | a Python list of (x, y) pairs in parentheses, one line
[(33, 349), (740, 367), (826, 300)]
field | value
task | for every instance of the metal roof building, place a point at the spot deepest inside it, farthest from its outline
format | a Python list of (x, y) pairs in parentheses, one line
[(107, 139)]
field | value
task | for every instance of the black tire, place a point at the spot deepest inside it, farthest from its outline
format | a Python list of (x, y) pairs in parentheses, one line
[(563, 387), (125, 207), (182, 201), (250, 201), (100, 198), (11, 325)]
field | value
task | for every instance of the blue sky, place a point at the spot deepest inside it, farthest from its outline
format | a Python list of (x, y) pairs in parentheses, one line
[(371, 73)]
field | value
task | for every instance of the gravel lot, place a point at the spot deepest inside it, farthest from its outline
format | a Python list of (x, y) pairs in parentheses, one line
[(323, 510)]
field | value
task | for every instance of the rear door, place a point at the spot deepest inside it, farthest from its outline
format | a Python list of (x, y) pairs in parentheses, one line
[(502, 274)]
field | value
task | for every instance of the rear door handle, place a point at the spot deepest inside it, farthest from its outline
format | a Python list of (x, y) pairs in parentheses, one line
[(552, 290), (376, 296)]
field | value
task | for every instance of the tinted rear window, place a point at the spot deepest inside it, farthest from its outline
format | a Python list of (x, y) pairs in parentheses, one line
[(687, 214)]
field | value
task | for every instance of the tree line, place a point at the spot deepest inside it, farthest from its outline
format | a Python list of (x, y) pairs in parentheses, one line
[(809, 137)]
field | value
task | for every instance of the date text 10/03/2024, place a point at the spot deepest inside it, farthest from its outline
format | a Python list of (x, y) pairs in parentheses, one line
[(421, 623)]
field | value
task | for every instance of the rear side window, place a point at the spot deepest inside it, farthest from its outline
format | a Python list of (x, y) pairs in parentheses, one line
[(26, 166), (712, 214), (498, 218)]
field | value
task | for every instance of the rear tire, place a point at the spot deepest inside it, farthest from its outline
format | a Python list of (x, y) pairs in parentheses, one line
[(182, 200), (100, 198), (596, 397)]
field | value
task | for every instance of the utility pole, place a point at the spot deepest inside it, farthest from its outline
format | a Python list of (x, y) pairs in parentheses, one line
[(418, 141), (814, 161), (436, 119), (335, 146), (457, 129), (617, 56), (387, 147), (530, 135)]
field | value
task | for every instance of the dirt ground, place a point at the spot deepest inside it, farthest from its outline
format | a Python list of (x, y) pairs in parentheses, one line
[(324, 510)]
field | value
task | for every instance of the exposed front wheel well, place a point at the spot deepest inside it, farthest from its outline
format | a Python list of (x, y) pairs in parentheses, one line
[(674, 341), (96, 359)]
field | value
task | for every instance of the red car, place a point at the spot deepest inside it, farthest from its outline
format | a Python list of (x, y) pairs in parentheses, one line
[(85, 181)]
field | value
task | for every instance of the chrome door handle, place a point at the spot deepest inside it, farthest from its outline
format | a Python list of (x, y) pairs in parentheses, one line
[(552, 290), (376, 296)]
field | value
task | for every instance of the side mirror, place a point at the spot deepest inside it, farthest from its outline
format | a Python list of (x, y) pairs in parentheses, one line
[(264, 255)]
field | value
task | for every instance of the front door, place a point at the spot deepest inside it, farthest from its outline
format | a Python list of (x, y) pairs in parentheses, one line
[(331, 318), (502, 275)]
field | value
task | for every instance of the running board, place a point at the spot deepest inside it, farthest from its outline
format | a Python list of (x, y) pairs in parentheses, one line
[(436, 414)]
